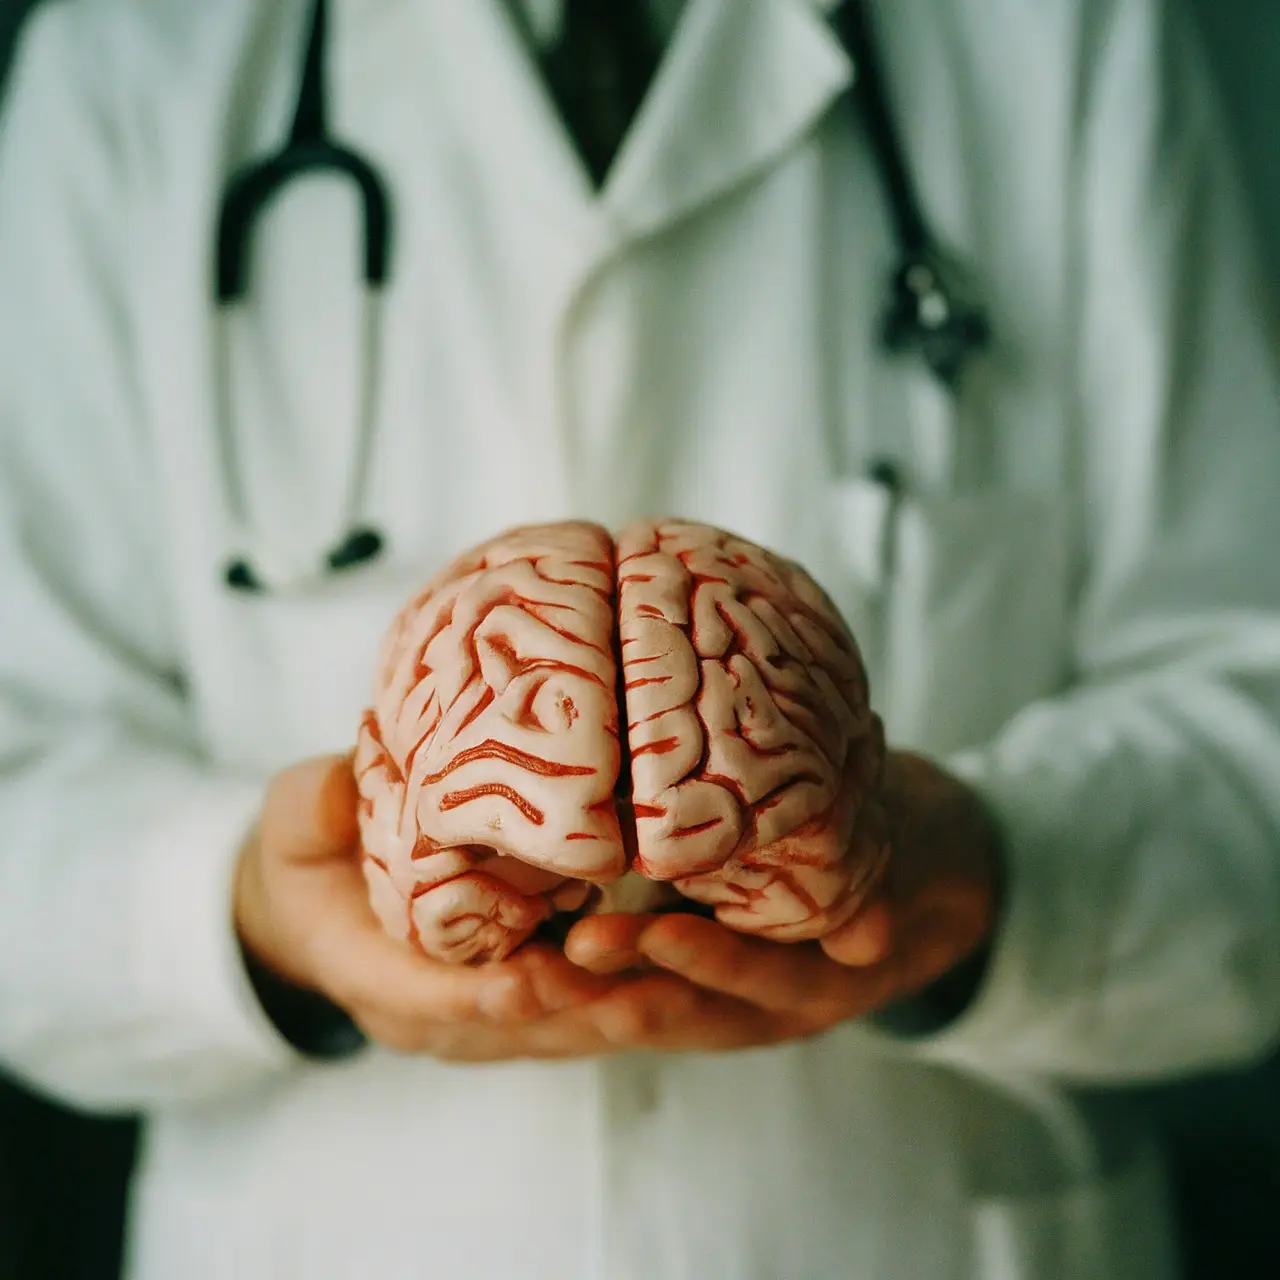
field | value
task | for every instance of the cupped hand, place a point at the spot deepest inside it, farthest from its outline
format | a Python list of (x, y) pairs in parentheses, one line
[(302, 912), (935, 910), (941, 895), (726, 990), (674, 983)]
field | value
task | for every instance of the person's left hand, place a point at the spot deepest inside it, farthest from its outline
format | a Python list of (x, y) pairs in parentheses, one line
[(935, 909)]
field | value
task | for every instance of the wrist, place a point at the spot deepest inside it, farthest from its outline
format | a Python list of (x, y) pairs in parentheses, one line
[(309, 1022), (948, 828)]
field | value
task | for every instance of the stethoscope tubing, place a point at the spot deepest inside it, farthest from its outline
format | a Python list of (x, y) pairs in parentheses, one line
[(928, 314)]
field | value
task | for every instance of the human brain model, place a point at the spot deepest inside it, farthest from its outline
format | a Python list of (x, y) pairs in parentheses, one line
[(562, 724)]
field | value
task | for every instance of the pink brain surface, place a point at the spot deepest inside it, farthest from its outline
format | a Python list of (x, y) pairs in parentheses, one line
[(499, 788)]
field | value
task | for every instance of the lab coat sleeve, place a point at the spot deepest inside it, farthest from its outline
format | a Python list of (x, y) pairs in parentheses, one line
[(1141, 935), (120, 980)]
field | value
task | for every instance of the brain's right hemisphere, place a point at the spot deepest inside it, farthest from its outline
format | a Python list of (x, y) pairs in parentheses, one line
[(500, 785), (753, 749)]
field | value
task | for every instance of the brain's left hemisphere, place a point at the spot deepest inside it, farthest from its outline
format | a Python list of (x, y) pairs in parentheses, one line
[(489, 760)]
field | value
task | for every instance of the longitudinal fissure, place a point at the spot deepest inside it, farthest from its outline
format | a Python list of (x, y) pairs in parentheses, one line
[(622, 787)]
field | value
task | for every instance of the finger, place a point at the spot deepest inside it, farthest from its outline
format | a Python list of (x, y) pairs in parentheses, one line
[(573, 1033), (569, 1033), (866, 940), (934, 945), (363, 969), (607, 943), (941, 929), (661, 1011), (309, 820), (310, 810), (447, 1041), (401, 984), (557, 982), (782, 978)]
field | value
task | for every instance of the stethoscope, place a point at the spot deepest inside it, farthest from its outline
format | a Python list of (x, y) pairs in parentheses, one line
[(927, 314)]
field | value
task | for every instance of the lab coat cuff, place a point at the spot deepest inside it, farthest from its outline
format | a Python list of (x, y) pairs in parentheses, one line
[(186, 964), (939, 1005), (1038, 974), (313, 1025)]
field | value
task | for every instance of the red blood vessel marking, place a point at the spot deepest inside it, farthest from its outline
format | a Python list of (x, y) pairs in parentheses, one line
[(662, 747), (383, 758), (653, 657), (644, 680), (492, 749), (483, 702), (699, 827), (455, 799)]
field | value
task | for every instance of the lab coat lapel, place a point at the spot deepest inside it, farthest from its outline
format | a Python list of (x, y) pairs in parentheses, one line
[(741, 86), (741, 82)]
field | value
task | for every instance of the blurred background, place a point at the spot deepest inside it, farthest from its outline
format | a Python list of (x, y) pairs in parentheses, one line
[(62, 1177)]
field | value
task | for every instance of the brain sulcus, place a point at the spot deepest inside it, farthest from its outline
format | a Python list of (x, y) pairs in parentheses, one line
[(562, 722)]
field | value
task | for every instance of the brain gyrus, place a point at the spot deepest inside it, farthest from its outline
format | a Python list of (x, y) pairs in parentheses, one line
[(559, 718)]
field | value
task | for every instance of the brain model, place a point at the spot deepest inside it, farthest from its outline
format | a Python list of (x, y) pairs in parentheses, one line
[(563, 724)]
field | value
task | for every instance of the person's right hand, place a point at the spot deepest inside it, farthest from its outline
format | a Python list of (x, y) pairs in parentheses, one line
[(302, 912)]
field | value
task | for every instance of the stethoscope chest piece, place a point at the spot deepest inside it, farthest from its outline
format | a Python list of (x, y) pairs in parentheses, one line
[(928, 315), (930, 318)]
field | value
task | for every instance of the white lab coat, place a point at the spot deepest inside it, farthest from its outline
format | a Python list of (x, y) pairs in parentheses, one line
[(1083, 617)]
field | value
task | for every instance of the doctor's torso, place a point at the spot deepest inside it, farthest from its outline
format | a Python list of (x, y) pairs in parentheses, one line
[(699, 338)]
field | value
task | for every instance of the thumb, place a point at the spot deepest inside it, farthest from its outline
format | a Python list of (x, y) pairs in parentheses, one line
[(864, 941), (302, 904), (310, 811)]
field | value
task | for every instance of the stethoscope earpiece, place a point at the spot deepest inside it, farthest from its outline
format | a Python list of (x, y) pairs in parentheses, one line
[(241, 577), (359, 547)]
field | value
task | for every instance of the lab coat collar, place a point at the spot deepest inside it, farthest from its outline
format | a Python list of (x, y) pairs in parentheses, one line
[(545, 17), (741, 82)]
